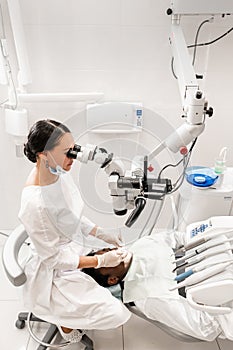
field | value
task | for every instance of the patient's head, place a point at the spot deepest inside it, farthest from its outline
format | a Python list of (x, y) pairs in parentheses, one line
[(108, 276)]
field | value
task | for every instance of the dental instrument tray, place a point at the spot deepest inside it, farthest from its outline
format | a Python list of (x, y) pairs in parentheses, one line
[(201, 176)]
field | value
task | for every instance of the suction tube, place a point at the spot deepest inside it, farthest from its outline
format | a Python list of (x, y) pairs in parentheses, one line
[(140, 203)]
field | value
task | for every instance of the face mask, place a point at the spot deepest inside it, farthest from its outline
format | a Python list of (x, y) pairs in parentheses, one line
[(57, 171)]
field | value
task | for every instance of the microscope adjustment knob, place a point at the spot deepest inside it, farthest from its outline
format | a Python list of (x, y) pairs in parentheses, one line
[(210, 112)]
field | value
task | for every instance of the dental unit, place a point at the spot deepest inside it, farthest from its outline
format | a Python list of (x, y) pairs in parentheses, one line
[(203, 247), (202, 275), (205, 269)]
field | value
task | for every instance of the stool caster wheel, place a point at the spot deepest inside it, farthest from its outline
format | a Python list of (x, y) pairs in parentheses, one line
[(20, 324)]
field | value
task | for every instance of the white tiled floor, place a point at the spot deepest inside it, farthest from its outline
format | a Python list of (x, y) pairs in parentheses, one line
[(136, 334)]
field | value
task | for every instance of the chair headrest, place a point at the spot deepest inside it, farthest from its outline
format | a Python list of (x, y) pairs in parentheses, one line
[(10, 253)]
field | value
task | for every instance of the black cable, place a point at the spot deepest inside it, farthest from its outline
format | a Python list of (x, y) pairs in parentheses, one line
[(170, 165), (182, 176), (201, 44), (185, 159), (196, 38), (212, 41), (193, 144), (172, 68), (180, 161)]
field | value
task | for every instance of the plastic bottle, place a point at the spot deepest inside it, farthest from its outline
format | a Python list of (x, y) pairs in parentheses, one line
[(220, 165)]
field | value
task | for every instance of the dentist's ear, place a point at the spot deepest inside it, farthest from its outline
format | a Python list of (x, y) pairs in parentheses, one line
[(42, 156)]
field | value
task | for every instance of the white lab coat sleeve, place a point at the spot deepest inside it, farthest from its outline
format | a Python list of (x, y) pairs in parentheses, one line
[(86, 226), (45, 238)]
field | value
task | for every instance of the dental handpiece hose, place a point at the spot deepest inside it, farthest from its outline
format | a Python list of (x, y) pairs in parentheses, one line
[(190, 272), (201, 276)]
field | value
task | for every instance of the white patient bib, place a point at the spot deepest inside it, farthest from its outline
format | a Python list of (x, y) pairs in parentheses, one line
[(150, 274)]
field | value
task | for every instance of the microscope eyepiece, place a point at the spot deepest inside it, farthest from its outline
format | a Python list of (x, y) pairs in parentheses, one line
[(73, 152)]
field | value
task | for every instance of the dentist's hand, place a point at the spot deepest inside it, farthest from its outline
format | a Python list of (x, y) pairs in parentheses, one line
[(114, 238), (111, 258)]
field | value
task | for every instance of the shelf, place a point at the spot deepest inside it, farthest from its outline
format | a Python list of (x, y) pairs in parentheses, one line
[(112, 131), (90, 97)]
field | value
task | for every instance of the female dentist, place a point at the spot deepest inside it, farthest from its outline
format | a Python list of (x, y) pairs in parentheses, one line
[(56, 289)]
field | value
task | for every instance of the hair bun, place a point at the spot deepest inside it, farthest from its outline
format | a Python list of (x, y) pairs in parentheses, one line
[(29, 153)]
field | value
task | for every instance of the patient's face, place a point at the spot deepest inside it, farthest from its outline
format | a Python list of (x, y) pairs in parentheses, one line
[(118, 271)]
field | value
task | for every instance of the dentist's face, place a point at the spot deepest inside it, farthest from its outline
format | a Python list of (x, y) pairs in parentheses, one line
[(57, 156)]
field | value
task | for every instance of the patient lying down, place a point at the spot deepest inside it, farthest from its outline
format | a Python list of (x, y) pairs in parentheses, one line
[(147, 275)]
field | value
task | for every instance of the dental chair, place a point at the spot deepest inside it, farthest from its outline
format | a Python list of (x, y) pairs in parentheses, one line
[(15, 273), (170, 331)]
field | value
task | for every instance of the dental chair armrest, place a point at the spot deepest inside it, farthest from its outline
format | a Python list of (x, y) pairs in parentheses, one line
[(217, 293), (10, 253)]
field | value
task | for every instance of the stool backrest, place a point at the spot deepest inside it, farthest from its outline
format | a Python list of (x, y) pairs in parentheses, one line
[(10, 254)]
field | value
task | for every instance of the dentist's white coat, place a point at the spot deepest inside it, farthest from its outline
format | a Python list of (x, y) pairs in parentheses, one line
[(56, 290)]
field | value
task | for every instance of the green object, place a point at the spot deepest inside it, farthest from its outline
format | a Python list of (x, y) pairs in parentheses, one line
[(220, 162), (116, 291), (220, 166)]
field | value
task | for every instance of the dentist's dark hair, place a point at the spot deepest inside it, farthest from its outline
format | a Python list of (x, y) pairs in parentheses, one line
[(44, 135)]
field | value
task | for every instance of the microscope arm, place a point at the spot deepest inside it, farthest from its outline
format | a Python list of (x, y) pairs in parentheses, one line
[(194, 103)]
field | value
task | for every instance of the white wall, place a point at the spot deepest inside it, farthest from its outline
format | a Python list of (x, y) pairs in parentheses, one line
[(121, 48)]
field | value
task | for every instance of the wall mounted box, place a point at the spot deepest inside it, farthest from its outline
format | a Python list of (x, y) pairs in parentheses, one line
[(115, 117)]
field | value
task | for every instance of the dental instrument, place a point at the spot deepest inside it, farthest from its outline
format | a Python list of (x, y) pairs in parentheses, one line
[(201, 276), (210, 252), (190, 272), (185, 265), (202, 248), (195, 260), (188, 264), (192, 245)]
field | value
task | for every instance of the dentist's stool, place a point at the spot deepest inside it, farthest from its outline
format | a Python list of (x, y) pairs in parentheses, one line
[(17, 277)]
